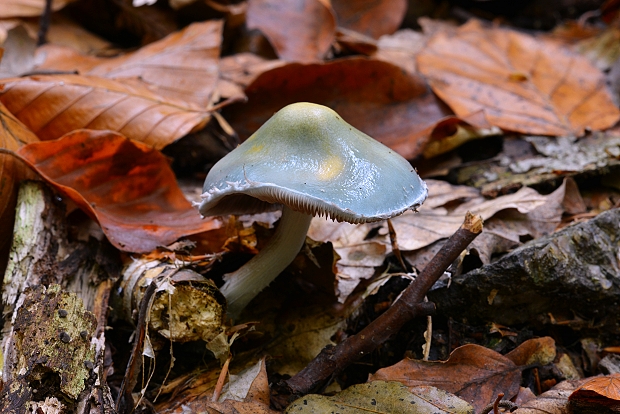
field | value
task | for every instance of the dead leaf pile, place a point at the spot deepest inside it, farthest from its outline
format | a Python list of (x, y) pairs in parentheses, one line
[(93, 94)]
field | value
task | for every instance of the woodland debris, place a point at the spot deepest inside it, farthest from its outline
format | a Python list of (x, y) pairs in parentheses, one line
[(568, 278)]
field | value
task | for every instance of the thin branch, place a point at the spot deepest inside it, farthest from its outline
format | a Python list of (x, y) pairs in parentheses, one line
[(334, 359)]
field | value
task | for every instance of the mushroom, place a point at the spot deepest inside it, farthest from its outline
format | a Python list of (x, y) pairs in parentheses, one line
[(309, 162)]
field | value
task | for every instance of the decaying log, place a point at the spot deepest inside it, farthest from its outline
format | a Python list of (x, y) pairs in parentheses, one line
[(571, 277), (54, 299), (186, 307)]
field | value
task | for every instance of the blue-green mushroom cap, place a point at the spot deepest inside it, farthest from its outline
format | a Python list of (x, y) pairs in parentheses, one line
[(308, 158)]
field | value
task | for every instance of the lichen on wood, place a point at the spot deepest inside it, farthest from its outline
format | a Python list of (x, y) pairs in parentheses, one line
[(51, 341)]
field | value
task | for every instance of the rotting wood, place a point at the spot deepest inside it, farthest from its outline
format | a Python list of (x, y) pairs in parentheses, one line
[(570, 278), (53, 344)]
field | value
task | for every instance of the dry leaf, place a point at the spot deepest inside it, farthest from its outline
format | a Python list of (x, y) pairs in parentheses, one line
[(540, 351), (472, 372), (18, 56), (300, 30), (13, 135), (24, 8), (554, 401), (523, 84), (52, 106), (384, 397), (374, 96), (183, 66), (597, 394), (239, 70), (370, 17), (126, 186)]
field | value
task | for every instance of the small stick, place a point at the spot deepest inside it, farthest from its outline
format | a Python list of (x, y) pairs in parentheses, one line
[(332, 360), (496, 403), (221, 379), (124, 401), (44, 23)]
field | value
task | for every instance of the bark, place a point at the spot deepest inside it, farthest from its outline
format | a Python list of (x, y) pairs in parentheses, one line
[(54, 300), (571, 278)]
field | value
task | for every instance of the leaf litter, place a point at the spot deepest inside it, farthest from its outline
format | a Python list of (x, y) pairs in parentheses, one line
[(407, 117)]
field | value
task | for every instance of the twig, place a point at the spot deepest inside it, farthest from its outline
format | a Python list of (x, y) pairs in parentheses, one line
[(220, 381), (44, 23), (124, 401), (332, 360)]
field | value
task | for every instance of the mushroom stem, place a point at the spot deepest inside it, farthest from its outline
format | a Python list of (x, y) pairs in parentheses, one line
[(244, 284)]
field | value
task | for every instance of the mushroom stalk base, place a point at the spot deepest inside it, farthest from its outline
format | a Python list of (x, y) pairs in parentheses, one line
[(244, 284)]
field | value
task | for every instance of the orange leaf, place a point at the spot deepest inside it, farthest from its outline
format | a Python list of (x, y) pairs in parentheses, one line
[(601, 392), (522, 83), (376, 97), (473, 372), (300, 30), (370, 17), (13, 134), (126, 186), (52, 106)]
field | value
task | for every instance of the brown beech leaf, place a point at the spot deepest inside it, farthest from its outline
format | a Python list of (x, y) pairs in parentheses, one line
[(298, 30), (13, 135), (182, 66), (376, 97), (125, 185), (523, 84), (534, 351), (472, 372), (25, 8), (54, 105), (370, 17), (600, 392), (554, 401)]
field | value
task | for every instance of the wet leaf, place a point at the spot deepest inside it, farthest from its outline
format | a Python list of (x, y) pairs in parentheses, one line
[(374, 96), (52, 106), (309, 31), (382, 397), (523, 84), (125, 185), (13, 135), (472, 372), (371, 18)]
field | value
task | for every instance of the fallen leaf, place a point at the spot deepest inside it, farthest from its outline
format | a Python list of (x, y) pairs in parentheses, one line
[(600, 393), (374, 96), (239, 70), (52, 106), (183, 66), (18, 56), (523, 84), (539, 351), (387, 397), (309, 31), (25, 8), (401, 48), (472, 372), (125, 185), (13, 135), (370, 17), (554, 401)]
